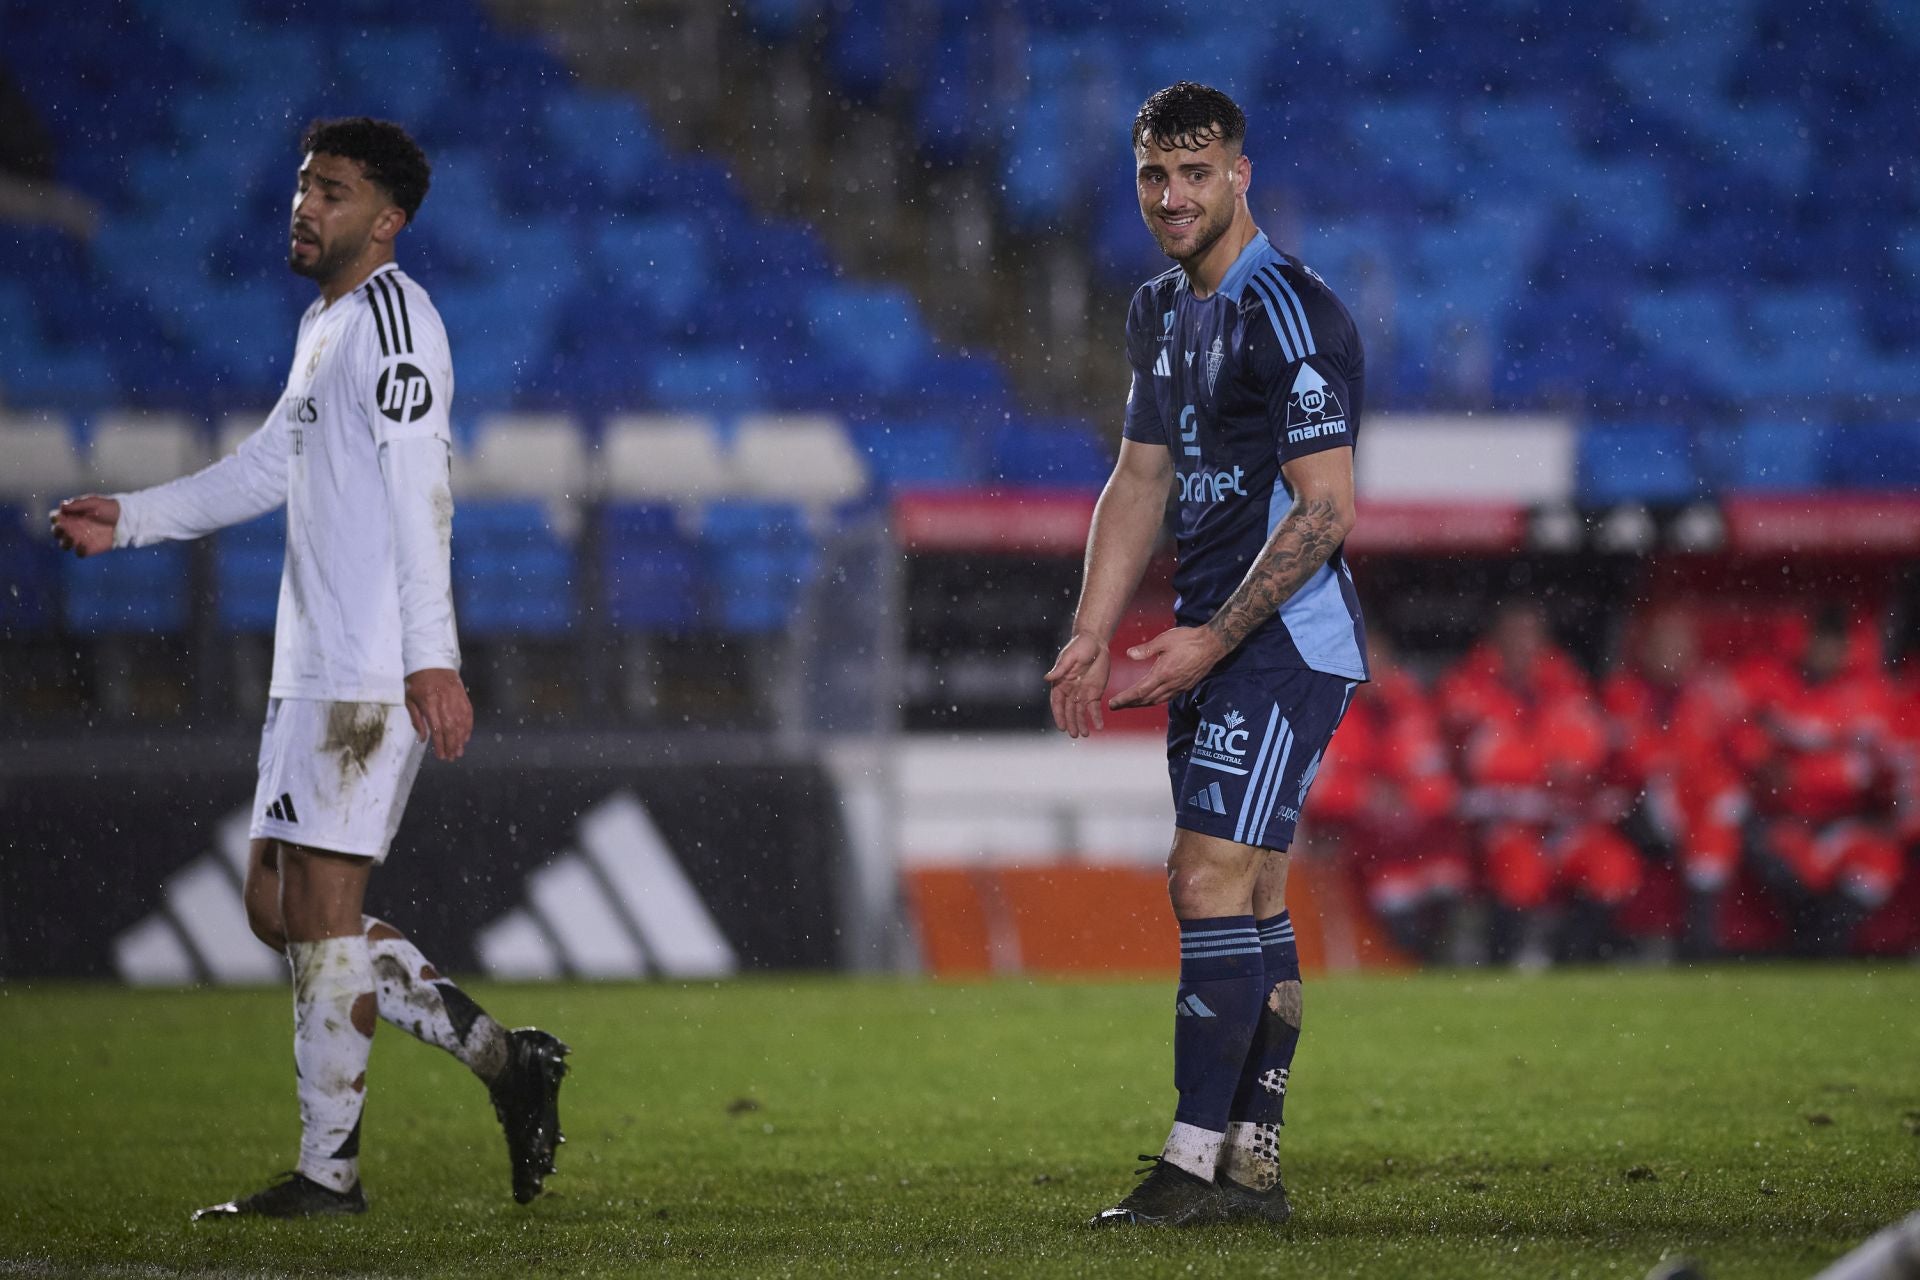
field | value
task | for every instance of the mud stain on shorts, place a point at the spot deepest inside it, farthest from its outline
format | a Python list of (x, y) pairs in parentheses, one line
[(355, 731)]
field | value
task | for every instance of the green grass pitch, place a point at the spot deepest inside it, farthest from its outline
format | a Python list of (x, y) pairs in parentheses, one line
[(1761, 1119)]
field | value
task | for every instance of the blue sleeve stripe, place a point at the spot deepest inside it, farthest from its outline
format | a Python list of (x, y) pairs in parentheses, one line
[(1282, 329), (1299, 312)]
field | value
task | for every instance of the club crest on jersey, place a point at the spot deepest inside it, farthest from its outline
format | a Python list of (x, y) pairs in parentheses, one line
[(1313, 408), (313, 361), (1214, 357), (404, 393)]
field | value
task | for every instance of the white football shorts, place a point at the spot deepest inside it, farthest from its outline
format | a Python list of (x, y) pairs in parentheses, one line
[(335, 775)]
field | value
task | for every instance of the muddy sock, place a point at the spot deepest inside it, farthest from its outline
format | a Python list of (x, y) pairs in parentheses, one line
[(415, 998), (333, 1021), (1251, 1157)]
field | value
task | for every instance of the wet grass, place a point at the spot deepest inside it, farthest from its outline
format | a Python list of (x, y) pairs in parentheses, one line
[(1763, 1120)]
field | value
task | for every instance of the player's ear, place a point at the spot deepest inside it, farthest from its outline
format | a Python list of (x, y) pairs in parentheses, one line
[(1242, 174), (389, 223)]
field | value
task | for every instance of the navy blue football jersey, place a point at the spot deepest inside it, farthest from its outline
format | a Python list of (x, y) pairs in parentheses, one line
[(1267, 369)]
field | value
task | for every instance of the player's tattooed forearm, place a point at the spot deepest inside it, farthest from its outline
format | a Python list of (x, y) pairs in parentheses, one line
[(1305, 540)]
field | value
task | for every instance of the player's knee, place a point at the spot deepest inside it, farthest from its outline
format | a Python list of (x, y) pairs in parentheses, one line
[(1206, 881)]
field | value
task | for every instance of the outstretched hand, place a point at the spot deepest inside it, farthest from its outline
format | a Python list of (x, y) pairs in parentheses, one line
[(1079, 680), (1181, 658), (85, 525), (437, 703)]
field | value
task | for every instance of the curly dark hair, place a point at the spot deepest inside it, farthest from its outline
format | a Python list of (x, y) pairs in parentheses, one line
[(388, 155), (1189, 116)]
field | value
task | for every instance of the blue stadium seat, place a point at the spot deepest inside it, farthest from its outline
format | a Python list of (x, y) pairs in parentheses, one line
[(399, 74), (917, 455), (860, 48), (609, 135), (706, 378), (663, 258), (1037, 453), (973, 381), (1636, 462), (247, 563), (129, 592), (1413, 138), (512, 574), (650, 570), (875, 332), (1788, 457), (1878, 455), (758, 558)]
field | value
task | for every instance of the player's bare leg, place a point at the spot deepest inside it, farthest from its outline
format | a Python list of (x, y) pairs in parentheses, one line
[(522, 1069), (1249, 1172), (1211, 883)]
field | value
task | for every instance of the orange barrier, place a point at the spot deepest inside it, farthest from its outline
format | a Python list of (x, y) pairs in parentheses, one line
[(1077, 918)]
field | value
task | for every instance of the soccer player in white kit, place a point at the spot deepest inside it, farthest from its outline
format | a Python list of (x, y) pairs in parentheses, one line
[(365, 664)]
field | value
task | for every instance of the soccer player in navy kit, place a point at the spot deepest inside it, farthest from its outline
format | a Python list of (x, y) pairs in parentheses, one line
[(1246, 398)]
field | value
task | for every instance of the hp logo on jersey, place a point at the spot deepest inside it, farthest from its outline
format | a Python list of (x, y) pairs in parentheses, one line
[(404, 393)]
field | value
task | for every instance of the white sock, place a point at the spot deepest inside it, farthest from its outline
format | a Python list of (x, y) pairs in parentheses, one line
[(415, 998), (1251, 1156), (333, 1020), (1194, 1149)]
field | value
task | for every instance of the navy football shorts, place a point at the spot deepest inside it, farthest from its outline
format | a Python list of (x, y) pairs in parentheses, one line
[(1242, 749)]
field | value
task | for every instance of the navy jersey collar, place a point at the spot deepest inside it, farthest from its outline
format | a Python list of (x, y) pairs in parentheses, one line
[(1257, 251)]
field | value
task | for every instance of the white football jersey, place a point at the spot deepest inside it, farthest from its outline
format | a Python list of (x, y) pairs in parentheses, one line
[(359, 450)]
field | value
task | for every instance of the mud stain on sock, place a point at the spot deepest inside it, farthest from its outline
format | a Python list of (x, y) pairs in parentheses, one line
[(365, 1013), (1284, 1000)]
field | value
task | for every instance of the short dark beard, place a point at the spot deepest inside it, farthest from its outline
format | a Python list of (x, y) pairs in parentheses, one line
[(1206, 235), (325, 266)]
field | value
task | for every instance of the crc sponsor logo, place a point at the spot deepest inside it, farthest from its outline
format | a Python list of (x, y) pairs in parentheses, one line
[(300, 409), (404, 393), (1225, 740)]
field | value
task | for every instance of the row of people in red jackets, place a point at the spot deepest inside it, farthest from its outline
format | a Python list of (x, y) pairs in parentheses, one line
[(1519, 784)]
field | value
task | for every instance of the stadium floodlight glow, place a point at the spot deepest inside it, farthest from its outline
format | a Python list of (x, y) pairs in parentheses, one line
[(1627, 530), (1557, 528), (1698, 528)]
